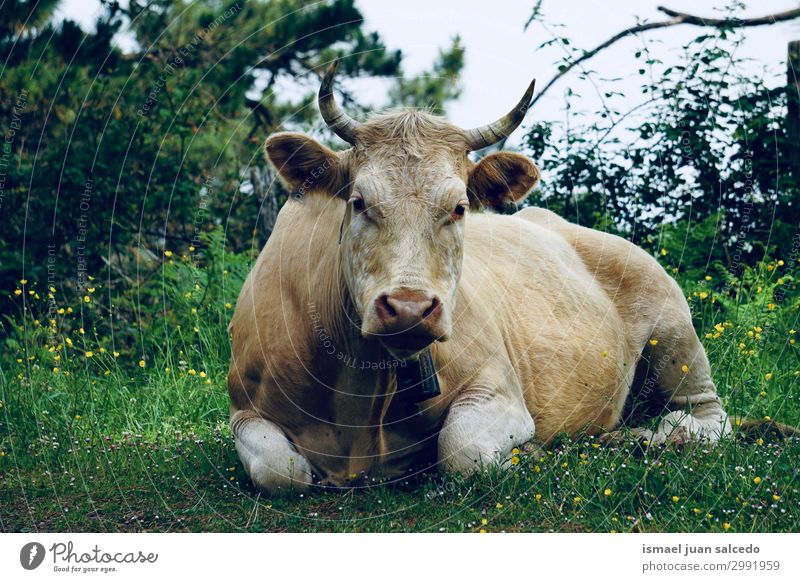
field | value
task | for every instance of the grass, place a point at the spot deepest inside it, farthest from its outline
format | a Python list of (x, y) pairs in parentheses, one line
[(96, 440)]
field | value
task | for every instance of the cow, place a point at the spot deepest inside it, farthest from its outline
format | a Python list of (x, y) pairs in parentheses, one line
[(388, 264)]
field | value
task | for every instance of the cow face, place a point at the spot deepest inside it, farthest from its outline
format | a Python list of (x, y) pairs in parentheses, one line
[(408, 185), (407, 205)]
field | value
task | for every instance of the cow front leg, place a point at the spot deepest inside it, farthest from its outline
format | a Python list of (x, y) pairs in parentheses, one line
[(481, 429), (270, 460), (680, 372)]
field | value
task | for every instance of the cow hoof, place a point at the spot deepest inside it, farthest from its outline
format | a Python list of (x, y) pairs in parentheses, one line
[(271, 480), (678, 428), (641, 436)]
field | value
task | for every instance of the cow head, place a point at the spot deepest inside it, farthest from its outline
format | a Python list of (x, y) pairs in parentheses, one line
[(408, 184)]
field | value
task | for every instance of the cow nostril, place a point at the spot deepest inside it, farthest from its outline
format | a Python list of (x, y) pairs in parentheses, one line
[(433, 306), (385, 309)]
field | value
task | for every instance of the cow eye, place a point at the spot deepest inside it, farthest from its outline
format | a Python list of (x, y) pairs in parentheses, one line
[(459, 211), (358, 204)]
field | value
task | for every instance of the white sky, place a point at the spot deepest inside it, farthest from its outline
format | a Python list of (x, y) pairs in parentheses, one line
[(501, 58)]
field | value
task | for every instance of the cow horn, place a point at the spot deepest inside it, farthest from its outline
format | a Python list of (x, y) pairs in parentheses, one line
[(338, 121), (483, 137)]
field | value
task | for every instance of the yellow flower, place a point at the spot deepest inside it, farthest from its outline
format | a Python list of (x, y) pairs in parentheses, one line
[(499, 505), (776, 497), (91, 289), (482, 531), (191, 248), (89, 354), (86, 299), (607, 492), (675, 499), (697, 511), (663, 252), (703, 294), (141, 364), (759, 441), (202, 374), (538, 497), (577, 499), (192, 372), (56, 370), (515, 460), (685, 369), (770, 306), (780, 263), (757, 480), (484, 521), (115, 354), (167, 254), (515, 451), (768, 376), (228, 306), (17, 292), (653, 342), (726, 526)]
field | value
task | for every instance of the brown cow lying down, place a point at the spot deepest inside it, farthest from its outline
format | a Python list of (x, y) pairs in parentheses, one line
[(534, 325)]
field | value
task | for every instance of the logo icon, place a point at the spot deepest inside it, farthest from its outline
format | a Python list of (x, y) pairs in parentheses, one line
[(31, 555)]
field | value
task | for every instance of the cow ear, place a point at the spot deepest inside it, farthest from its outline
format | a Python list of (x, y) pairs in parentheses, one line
[(501, 178), (306, 165)]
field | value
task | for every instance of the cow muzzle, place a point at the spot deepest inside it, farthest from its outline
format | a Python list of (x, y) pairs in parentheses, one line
[(407, 320)]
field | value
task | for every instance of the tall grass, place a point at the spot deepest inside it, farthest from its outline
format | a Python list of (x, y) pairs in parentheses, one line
[(127, 388)]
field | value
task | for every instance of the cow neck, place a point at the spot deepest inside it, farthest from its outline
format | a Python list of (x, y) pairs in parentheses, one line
[(327, 289)]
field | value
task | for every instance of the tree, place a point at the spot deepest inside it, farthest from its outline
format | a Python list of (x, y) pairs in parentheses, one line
[(704, 153), (118, 156)]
